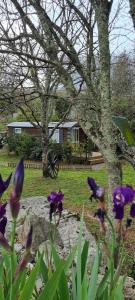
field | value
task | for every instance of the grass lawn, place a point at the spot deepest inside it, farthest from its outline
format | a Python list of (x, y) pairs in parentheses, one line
[(72, 183)]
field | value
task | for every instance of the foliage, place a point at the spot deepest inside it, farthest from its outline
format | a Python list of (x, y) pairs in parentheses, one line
[(22, 144), (61, 107), (122, 83), (123, 125), (36, 150), (30, 147)]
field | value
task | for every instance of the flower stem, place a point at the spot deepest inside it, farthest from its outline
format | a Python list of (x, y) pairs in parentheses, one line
[(13, 234)]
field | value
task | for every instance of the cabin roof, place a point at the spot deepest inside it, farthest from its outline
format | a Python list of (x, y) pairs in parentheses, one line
[(68, 124)]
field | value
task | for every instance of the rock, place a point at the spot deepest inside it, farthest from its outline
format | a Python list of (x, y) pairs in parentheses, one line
[(129, 289), (35, 211)]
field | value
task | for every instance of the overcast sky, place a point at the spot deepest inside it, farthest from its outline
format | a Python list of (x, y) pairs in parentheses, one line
[(122, 36)]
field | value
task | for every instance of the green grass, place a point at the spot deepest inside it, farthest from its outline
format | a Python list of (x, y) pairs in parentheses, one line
[(72, 183)]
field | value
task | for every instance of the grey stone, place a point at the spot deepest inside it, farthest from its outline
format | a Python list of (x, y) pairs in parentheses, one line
[(35, 211)]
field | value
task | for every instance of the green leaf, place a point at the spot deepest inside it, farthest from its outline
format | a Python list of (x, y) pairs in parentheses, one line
[(56, 257), (63, 287), (117, 292), (1, 293), (30, 283), (69, 260), (84, 257), (17, 287), (123, 125), (78, 267), (52, 285), (85, 287), (102, 285), (43, 270), (94, 275), (74, 296), (105, 295)]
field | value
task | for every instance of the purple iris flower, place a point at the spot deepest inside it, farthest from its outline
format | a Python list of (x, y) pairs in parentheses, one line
[(123, 195), (19, 178), (17, 189), (97, 191), (4, 184), (56, 205), (132, 210)]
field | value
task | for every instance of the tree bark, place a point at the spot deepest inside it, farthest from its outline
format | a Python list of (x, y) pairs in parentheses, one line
[(132, 11), (45, 135), (108, 144)]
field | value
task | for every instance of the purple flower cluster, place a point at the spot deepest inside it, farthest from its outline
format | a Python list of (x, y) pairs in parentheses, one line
[(97, 191), (123, 195), (13, 200), (55, 200)]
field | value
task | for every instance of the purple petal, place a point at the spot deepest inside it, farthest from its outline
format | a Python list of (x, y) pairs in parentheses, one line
[(14, 204), (118, 197), (3, 210), (3, 223), (7, 182), (52, 197), (60, 196), (4, 242), (19, 178), (123, 195), (92, 184), (132, 210), (4, 184), (55, 197), (52, 209), (118, 211), (60, 207), (100, 192)]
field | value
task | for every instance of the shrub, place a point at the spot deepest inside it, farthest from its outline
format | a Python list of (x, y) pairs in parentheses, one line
[(25, 145), (12, 142), (36, 150), (67, 152)]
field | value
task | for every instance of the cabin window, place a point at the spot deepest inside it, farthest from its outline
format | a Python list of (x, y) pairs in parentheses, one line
[(55, 137), (75, 135), (18, 130)]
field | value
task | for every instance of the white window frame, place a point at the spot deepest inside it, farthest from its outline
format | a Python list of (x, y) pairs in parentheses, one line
[(56, 135), (18, 130), (75, 135)]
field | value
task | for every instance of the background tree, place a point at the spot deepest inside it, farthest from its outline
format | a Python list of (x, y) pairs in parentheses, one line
[(27, 81), (68, 29), (122, 85)]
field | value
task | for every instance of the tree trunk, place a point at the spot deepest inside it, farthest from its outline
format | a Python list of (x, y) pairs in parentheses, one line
[(45, 135), (45, 147), (108, 143), (132, 11)]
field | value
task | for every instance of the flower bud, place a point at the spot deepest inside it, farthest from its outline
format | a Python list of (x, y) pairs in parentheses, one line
[(4, 242)]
